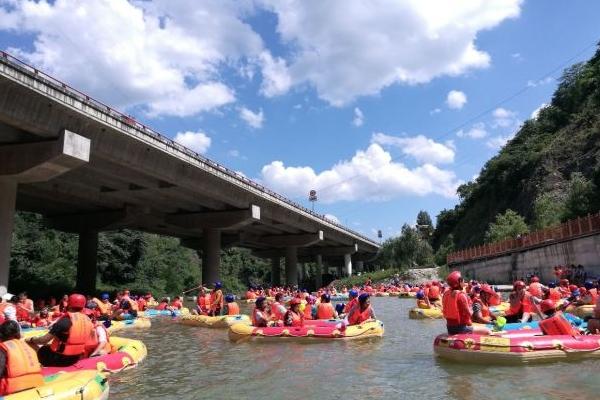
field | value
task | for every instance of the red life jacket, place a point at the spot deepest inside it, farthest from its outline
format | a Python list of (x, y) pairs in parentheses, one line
[(485, 310), (450, 308), (296, 318), (82, 332), (554, 294), (308, 311), (23, 370), (276, 313), (557, 325), (433, 293), (350, 305), (325, 311), (233, 308), (357, 317), (594, 295), (535, 288)]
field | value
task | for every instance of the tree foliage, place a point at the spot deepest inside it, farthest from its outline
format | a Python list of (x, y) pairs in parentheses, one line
[(507, 226)]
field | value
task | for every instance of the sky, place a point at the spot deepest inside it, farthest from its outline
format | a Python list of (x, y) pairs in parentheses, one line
[(383, 107)]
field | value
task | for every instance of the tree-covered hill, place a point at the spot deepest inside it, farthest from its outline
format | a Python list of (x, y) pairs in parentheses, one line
[(550, 171)]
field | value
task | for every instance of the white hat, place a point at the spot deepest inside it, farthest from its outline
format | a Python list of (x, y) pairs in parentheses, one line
[(7, 296)]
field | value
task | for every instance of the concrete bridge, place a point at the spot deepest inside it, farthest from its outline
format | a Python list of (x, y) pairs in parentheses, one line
[(88, 168)]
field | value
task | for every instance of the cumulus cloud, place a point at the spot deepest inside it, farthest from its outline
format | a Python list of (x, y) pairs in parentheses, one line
[(541, 82), (370, 175), (276, 77), (197, 141), (536, 112), (253, 119), (504, 118), (359, 118), (497, 142), (477, 131), (421, 148), (456, 99), (372, 45)]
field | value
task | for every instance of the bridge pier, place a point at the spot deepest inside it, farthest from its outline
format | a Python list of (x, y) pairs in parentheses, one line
[(275, 271), (211, 255), (87, 265), (291, 266), (348, 264), (319, 274), (8, 196)]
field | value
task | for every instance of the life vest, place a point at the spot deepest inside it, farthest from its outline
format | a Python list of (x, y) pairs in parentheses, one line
[(276, 311), (535, 288), (177, 304), (325, 311), (296, 318), (23, 370), (233, 308), (495, 299), (557, 325), (22, 313), (350, 305), (91, 345), (255, 321), (216, 299), (485, 310), (162, 306), (594, 295), (450, 308), (433, 293), (141, 304), (357, 316), (554, 294), (103, 307), (82, 333), (515, 308), (250, 295), (423, 304), (308, 311)]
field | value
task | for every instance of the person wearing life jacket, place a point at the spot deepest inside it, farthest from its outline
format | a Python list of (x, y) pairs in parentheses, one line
[(361, 312), (65, 342), (141, 303), (310, 310), (535, 287), (176, 304), (563, 288), (42, 320), (521, 304), (19, 366), (293, 316), (124, 311), (163, 305), (352, 300), (481, 306), (250, 295), (231, 307), (260, 317), (202, 302), (325, 309), (104, 305), (421, 302), (555, 322), (456, 308), (433, 294), (101, 346), (553, 292), (591, 295), (277, 308), (216, 300)]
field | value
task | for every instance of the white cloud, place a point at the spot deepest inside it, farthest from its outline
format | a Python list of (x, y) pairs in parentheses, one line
[(435, 111), (370, 175), (477, 131), (498, 142), (197, 141), (276, 77), (517, 57), (359, 118), (421, 148), (541, 82), (536, 112), (233, 153), (503, 118), (456, 99), (375, 44), (332, 217), (253, 119)]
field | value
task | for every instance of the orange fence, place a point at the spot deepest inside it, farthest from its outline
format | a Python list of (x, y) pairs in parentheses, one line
[(569, 230)]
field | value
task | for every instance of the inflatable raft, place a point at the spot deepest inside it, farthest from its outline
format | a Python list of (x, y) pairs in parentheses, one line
[(224, 321), (128, 353), (129, 324), (425, 313), (407, 294), (81, 385), (585, 312), (164, 313), (368, 329), (382, 294), (517, 347)]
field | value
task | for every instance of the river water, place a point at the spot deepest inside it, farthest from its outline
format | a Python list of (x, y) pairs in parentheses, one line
[(198, 363)]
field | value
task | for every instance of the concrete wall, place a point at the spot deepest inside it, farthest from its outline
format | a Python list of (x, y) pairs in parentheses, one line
[(539, 260)]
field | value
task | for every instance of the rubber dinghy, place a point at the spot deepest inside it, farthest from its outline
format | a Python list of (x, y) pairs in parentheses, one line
[(81, 385), (151, 313), (368, 329), (139, 322), (516, 347), (223, 321), (425, 313), (128, 353), (407, 295)]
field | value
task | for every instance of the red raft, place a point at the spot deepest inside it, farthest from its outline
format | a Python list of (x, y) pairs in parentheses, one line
[(517, 347)]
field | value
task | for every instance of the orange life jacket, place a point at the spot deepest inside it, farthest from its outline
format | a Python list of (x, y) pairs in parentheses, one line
[(485, 310), (308, 311), (450, 307), (82, 333), (515, 308), (433, 293), (296, 318), (103, 307), (233, 308), (350, 305), (535, 288), (422, 304), (357, 316), (276, 313), (23, 370), (594, 295), (91, 345), (554, 294), (250, 295), (216, 299), (325, 311), (557, 325), (255, 319)]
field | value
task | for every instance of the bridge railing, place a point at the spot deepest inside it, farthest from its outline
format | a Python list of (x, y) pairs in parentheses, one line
[(131, 122), (581, 226)]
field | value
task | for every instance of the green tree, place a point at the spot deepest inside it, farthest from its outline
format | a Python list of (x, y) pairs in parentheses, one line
[(547, 210), (507, 226), (579, 197), (445, 248), (425, 225)]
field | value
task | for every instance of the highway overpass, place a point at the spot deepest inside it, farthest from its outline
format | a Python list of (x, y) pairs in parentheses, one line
[(89, 168)]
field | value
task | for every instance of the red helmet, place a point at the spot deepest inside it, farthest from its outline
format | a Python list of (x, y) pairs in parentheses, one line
[(534, 279), (454, 278), (76, 300), (547, 305), (487, 289), (519, 284), (573, 288), (295, 301)]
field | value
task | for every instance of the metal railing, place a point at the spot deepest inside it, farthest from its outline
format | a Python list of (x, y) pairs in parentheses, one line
[(131, 122), (574, 228)]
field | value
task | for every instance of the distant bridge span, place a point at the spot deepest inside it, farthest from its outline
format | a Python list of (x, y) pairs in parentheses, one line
[(88, 168)]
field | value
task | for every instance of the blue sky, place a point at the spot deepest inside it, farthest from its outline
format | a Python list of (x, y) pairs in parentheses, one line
[(379, 108)]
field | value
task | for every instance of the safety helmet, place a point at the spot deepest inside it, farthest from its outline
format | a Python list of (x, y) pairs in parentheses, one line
[(295, 301), (534, 279), (229, 298), (547, 305), (588, 284), (325, 297), (454, 279), (420, 295), (218, 285), (552, 284), (572, 288), (339, 307), (352, 293), (363, 297), (105, 296), (76, 300), (519, 285)]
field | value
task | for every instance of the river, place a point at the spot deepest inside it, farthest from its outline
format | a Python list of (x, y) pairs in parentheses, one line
[(198, 363)]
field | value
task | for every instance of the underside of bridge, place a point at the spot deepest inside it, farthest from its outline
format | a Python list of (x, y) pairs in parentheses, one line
[(89, 169)]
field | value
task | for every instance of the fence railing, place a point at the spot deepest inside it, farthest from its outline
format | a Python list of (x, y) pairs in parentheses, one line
[(568, 230), (130, 122)]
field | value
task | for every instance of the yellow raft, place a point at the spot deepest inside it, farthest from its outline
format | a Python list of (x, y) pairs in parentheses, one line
[(224, 321), (586, 311), (407, 294), (368, 329), (425, 313), (82, 385), (129, 324)]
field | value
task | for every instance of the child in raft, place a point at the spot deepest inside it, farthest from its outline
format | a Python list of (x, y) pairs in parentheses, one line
[(231, 307), (293, 316)]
